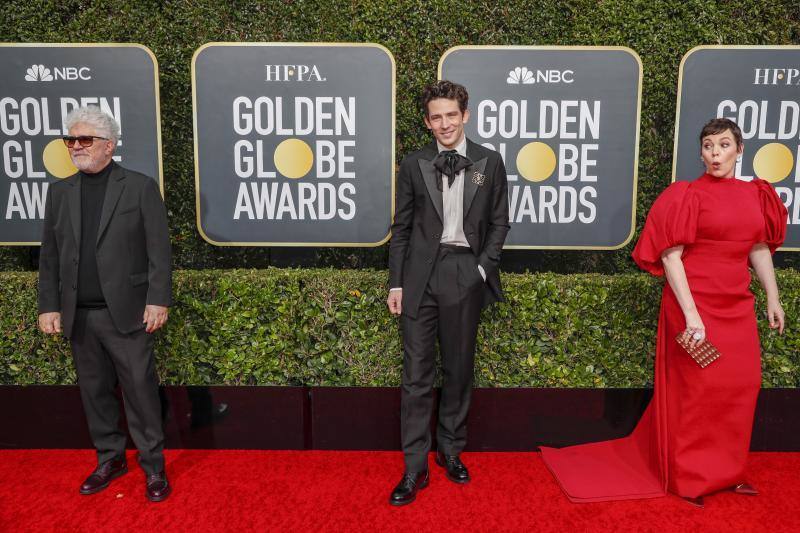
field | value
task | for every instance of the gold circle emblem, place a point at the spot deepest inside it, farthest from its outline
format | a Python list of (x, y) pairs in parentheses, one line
[(56, 159), (536, 161), (293, 158), (773, 162)]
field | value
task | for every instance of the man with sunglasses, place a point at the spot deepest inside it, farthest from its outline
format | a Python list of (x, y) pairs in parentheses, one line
[(105, 282)]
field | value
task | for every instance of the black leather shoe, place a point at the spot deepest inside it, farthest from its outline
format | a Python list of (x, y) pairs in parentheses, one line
[(454, 468), (158, 488), (406, 491), (103, 475)]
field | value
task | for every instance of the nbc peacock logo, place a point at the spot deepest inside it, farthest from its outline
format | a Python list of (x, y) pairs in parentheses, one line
[(38, 73), (520, 75), (526, 76)]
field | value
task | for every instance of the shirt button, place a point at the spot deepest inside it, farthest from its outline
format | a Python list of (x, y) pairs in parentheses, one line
[(436, 235)]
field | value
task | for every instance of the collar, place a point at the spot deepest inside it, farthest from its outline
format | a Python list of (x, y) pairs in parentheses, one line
[(461, 147)]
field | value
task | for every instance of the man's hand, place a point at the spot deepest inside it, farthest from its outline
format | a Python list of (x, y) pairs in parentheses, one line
[(395, 302), (154, 316), (50, 323)]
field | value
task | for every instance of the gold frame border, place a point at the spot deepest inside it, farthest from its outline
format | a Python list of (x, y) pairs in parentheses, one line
[(638, 127), (196, 151), (157, 94), (680, 87)]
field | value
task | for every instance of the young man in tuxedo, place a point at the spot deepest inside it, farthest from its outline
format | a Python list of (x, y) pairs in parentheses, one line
[(450, 222), (105, 282)]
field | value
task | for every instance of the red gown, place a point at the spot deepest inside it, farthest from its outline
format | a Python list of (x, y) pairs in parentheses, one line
[(694, 437)]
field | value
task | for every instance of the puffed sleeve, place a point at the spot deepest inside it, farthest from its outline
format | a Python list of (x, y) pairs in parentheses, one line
[(672, 221), (775, 215)]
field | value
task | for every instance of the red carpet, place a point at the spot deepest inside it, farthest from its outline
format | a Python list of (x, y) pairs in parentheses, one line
[(347, 491)]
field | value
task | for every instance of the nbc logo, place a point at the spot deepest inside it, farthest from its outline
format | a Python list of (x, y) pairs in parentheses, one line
[(38, 73), (525, 76), (520, 75)]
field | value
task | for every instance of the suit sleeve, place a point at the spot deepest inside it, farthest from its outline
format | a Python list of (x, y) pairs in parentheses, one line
[(159, 253), (498, 225), (49, 296), (401, 227)]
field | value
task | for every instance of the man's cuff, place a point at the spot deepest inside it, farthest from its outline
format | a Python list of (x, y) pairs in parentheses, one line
[(482, 272), (396, 289)]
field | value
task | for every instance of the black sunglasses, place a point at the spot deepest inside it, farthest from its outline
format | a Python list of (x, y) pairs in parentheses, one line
[(84, 140)]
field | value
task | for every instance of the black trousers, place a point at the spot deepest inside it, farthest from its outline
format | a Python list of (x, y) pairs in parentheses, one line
[(450, 311), (103, 358)]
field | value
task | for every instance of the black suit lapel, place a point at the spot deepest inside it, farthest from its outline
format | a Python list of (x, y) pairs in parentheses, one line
[(74, 205), (429, 177), (113, 191), (470, 181)]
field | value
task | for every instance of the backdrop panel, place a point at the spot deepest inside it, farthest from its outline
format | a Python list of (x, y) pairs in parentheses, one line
[(294, 143), (41, 84), (758, 87), (566, 120)]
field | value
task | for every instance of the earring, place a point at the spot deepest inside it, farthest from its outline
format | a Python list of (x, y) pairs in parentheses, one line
[(739, 159)]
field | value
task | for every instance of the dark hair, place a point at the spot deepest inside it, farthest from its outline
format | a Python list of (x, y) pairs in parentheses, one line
[(718, 125), (444, 89)]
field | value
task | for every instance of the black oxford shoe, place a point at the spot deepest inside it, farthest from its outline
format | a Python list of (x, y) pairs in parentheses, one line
[(103, 475), (158, 487), (454, 468), (406, 491)]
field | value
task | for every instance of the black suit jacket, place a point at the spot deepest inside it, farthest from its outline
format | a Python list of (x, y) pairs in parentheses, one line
[(418, 221), (133, 249)]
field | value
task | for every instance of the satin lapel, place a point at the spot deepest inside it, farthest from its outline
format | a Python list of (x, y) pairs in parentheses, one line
[(74, 204), (429, 177), (470, 187), (113, 191)]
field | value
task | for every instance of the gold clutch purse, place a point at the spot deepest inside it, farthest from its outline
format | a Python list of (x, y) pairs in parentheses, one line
[(703, 355)]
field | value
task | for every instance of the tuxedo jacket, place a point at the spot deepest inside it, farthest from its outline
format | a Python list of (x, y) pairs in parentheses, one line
[(133, 249), (418, 221)]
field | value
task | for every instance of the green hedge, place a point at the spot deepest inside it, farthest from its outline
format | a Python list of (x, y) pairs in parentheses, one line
[(417, 32), (331, 327)]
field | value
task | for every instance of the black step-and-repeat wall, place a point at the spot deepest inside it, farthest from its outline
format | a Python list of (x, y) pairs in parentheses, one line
[(758, 87), (41, 84), (294, 142)]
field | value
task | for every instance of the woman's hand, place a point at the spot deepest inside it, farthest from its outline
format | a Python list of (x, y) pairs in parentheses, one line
[(775, 315), (695, 332)]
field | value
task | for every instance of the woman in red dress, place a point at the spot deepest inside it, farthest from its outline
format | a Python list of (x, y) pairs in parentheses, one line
[(694, 437)]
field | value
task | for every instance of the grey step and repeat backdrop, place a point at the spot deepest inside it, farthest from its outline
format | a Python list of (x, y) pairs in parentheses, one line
[(758, 87), (41, 84), (566, 120), (294, 142)]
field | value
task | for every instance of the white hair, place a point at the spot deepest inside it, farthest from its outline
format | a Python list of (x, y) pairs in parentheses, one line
[(92, 115)]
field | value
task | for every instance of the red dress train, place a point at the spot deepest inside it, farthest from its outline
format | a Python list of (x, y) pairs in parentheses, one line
[(694, 437)]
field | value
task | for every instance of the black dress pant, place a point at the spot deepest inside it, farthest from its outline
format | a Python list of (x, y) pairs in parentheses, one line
[(103, 358), (450, 311)]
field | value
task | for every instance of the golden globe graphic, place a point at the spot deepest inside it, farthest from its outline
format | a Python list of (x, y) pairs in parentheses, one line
[(43, 83), (293, 158), (565, 120), (757, 88), (56, 159), (292, 148)]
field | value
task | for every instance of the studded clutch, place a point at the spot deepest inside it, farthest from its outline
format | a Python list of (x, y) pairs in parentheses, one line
[(703, 355)]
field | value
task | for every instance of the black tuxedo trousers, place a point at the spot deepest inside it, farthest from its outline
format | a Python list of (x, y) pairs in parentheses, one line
[(449, 312)]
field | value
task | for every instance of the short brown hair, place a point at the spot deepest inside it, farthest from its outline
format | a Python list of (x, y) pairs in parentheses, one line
[(445, 89), (718, 125)]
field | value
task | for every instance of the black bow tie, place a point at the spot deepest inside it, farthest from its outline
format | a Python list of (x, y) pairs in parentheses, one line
[(449, 163)]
